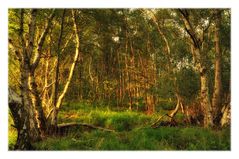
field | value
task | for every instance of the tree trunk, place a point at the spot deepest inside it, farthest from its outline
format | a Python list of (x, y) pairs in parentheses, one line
[(225, 112), (37, 104), (205, 100), (198, 56), (77, 54), (177, 107), (53, 122), (21, 121), (27, 103), (28, 116), (217, 94), (225, 115)]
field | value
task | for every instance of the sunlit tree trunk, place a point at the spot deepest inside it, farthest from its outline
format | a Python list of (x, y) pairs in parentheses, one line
[(53, 122), (179, 105), (23, 112), (217, 94), (33, 116), (226, 115), (37, 104), (32, 119), (205, 100), (76, 57), (44, 90), (204, 89)]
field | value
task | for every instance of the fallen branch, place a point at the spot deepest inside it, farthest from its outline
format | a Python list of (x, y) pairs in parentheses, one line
[(171, 122), (154, 125), (62, 128)]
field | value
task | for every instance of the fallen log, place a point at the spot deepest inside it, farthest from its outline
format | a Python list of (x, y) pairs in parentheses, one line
[(65, 128)]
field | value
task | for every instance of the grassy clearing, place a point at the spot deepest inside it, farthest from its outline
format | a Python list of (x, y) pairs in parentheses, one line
[(133, 133)]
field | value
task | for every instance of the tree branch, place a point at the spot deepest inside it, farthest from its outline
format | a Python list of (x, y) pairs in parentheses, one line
[(42, 40), (188, 27), (21, 35)]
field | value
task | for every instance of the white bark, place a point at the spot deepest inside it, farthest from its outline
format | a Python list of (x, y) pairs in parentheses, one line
[(77, 53)]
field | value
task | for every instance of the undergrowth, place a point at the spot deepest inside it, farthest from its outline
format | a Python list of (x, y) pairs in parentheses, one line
[(132, 132), (165, 138)]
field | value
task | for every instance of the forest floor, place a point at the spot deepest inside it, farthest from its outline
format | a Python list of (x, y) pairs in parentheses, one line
[(132, 132)]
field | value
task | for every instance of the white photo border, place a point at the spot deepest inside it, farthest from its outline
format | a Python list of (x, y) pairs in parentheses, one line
[(5, 5)]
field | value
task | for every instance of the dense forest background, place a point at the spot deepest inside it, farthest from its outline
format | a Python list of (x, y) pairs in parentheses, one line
[(117, 70)]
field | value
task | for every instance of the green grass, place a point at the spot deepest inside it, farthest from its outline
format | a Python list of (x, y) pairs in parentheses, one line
[(132, 132), (165, 138), (117, 120)]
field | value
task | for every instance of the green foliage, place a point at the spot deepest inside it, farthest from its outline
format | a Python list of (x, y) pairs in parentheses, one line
[(165, 88), (12, 133), (188, 82), (166, 105)]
